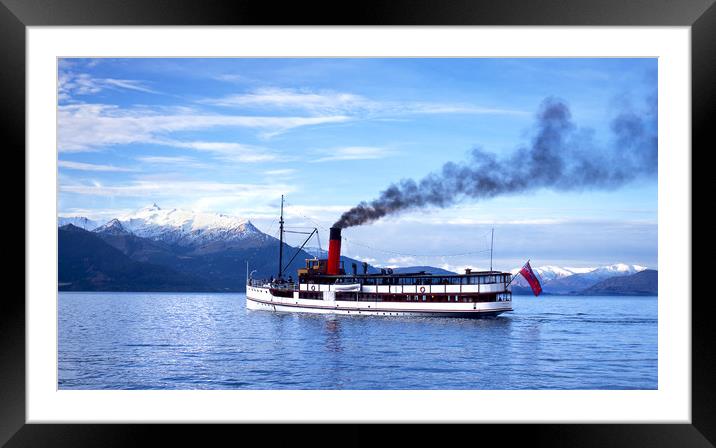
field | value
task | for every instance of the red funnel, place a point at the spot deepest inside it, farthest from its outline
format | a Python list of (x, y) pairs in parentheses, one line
[(334, 252)]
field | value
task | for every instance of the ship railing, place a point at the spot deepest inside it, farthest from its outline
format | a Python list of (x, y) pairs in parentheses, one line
[(258, 282), (283, 285), (273, 284)]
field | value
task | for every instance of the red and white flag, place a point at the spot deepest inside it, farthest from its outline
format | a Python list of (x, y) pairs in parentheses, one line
[(531, 278)]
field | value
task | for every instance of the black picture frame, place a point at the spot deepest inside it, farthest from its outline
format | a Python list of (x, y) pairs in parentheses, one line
[(16, 15)]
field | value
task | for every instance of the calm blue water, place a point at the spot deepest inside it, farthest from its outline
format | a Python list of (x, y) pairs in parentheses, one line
[(210, 341)]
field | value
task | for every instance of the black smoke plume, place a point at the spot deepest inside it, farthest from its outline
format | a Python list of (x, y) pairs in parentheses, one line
[(560, 157)]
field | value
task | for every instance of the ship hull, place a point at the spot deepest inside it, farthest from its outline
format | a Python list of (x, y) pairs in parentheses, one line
[(261, 299)]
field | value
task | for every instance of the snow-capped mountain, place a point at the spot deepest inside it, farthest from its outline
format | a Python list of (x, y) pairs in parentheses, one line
[(114, 227), (78, 221), (613, 270), (566, 279), (548, 273), (177, 226), (187, 228)]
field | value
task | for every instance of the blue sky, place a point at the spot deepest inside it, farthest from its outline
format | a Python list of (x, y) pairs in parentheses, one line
[(232, 135)]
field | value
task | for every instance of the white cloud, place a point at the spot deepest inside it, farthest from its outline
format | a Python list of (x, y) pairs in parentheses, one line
[(460, 268), (102, 215), (184, 189), (71, 84), (87, 127), (317, 102), (128, 84), (365, 259), (280, 172), (394, 262), (331, 102), (500, 222), (181, 161), (89, 166), (437, 108), (353, 153), (228, 151), (230, 77)]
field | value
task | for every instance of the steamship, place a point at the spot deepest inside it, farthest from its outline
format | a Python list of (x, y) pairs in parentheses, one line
[(324, 286)]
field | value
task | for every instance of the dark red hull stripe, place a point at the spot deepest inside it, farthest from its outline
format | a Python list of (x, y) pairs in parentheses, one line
[(387, 310)]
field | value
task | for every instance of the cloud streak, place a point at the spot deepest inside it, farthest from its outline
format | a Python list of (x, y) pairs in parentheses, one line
[(173, 161), (353, 153), (145, 188), (88, 127), (90, 166), (315, 102), (71, 84), (226, 151), (332, 102)]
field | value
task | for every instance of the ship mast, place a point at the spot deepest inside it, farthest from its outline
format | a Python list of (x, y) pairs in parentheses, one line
[(280, 244), (492, 241)]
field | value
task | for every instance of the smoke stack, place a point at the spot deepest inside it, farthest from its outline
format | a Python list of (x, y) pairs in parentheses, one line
[(334, 252)]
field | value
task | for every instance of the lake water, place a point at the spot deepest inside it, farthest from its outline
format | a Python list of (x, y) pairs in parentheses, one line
[(211, 341)]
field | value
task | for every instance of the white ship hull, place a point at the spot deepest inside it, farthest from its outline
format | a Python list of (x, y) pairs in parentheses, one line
[(260, 298)]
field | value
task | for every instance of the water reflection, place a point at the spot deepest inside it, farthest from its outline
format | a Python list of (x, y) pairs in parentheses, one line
[(333, 334)]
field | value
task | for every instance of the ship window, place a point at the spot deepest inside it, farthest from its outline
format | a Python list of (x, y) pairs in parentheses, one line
[(424, 298)]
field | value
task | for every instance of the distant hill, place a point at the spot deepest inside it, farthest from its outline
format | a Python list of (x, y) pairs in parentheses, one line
[(642, 283), (88, 263), (427, 269)]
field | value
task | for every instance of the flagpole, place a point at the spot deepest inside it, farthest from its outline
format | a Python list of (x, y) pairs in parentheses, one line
[(492, 241), (518, 273)]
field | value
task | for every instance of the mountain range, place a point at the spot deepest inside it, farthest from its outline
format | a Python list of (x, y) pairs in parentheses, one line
[(565, 280), (156, 249), (198, 251)]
